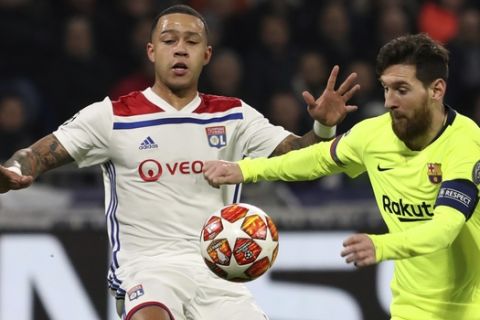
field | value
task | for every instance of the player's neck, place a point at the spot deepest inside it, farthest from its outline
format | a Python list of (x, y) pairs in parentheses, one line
[(439, 119), (177, 99)]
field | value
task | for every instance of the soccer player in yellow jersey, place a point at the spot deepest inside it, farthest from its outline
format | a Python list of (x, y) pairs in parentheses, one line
[(423, 161)]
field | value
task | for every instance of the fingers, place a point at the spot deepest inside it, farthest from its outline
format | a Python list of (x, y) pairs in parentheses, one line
[(350, 108), (332, 79), (360, 258), (209, 167), (359, 263), (353, 239), (216, 182), (348, 87), (347, 84), (219, 172), (309, 99), (214, 177), (211, 171), (9, 180), (355, 255), (23, 182), (359, 250), (349, 94)]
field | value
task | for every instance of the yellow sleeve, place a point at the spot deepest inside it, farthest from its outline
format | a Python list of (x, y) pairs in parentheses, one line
[(434, 235), (305, 164), (343, 154)]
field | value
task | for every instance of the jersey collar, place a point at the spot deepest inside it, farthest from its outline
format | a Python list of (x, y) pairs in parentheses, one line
[(161, 103), (451, 114)]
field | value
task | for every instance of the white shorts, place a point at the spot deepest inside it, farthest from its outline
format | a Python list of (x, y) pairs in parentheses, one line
[(184, 286)]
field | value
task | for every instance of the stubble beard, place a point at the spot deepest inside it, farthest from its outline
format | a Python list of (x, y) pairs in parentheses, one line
[(409, 129)]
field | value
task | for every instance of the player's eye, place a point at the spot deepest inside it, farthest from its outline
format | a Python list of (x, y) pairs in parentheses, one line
[(192, 40)]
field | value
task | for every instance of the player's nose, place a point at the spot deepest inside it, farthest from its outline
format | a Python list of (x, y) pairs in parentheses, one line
[(181, 49), (390, 101)]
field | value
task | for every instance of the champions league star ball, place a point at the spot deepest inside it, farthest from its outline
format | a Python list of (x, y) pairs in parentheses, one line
[(239, 242)]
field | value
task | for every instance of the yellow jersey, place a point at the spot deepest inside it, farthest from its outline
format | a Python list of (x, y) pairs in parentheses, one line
[(428, 199)]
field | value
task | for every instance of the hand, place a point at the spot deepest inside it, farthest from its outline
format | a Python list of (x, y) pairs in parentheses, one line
[(218, 172), (330, 109), (360, 250), (10, 180)]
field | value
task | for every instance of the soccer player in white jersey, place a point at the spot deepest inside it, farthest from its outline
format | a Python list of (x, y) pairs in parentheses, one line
[(151, 146), (423, 161)]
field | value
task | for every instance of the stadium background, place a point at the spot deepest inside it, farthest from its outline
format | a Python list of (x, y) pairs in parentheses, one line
[(58, 56)]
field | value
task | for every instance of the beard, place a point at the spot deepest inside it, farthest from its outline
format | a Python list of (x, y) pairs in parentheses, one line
[(410, 128)]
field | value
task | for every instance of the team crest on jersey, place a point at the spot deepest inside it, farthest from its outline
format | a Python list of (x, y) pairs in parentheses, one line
[(434, 172), (476, 173), (217, 136), (135, 292)]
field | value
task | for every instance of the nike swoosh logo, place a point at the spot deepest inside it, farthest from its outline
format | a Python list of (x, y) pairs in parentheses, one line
[(383, 169)]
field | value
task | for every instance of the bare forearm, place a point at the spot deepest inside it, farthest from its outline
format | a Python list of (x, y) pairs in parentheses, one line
[(45, 154), (293, 142)]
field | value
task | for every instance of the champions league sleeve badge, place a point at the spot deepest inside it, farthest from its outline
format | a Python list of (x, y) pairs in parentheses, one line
[(217, 136), (476, 173)]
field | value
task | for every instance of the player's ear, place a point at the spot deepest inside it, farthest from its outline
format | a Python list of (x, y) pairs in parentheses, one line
[(438, 88), (150, 52), (207, 55)]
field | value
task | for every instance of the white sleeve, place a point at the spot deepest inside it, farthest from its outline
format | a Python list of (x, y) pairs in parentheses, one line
[(86, 135), (257, 135)]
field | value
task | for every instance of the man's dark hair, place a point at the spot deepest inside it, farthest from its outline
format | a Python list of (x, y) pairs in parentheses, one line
[(179, 8), (428, 56)]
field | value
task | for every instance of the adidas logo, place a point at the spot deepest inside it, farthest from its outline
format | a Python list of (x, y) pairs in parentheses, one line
[(148, 143)]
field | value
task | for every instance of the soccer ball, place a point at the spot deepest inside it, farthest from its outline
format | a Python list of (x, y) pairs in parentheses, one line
[(239, 242)]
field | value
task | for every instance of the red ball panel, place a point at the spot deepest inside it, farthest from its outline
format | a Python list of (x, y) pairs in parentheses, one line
[(255, 227), (213, 227), (273, 229), (220, 252), (246, 251), (258, 268), (233, 213)]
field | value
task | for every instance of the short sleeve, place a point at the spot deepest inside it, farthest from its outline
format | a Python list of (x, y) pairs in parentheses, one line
[(86, 135), (258, 136)]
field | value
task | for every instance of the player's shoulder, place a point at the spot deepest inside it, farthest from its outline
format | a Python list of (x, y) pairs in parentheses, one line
[(133, 104), (95, 110), (463, 125), (368, 132), (375, 124), (464, 137), (212, 103)]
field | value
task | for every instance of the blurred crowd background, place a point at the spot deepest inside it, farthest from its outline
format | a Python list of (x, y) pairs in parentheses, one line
[(56, 57)]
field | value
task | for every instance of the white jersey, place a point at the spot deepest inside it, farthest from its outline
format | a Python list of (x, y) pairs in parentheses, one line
[(152, 157)]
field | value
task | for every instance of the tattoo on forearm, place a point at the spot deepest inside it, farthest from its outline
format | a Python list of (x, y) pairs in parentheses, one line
[(293, 142), (43, 155)]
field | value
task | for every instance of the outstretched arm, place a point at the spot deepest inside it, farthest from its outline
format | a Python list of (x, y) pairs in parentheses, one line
[(26, 164), (327, 111), (300, 165)]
